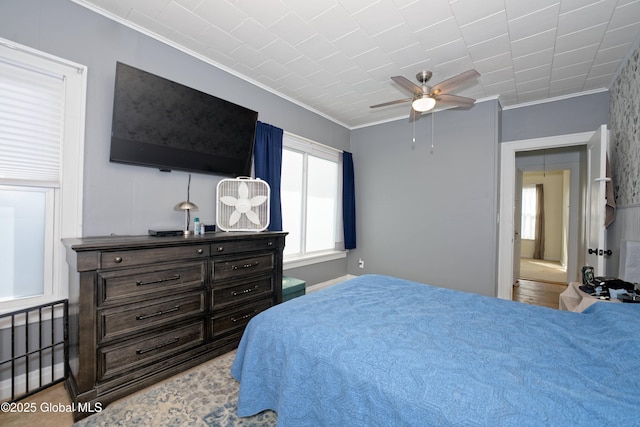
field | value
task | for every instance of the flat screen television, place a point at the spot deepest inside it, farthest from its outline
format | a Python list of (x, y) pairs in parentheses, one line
[(163, 124)]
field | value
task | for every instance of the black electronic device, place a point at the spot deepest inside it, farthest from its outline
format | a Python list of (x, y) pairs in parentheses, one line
[(163, 124), (165, 233)]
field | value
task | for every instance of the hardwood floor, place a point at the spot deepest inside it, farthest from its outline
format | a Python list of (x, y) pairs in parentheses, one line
[(538, 293)]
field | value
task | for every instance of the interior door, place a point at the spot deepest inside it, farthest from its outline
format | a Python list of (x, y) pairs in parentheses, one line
[(517, 225), (596, 199)]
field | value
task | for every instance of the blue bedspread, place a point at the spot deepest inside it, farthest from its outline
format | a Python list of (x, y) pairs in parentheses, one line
[(381, 351)]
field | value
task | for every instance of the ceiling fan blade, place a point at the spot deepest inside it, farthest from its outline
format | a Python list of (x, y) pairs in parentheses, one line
[(458, 101), (453, 82), (384, 104), (407, 84)]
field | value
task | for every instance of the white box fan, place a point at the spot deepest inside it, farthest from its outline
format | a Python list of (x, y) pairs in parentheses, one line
[(242, 204)]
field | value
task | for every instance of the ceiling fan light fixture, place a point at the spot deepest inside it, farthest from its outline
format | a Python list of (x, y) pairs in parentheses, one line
[(423, 103)]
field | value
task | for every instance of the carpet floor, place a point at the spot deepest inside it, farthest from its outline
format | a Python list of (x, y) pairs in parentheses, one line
[(206, 395)]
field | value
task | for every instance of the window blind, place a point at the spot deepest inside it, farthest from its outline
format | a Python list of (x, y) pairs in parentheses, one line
[(31, 124)]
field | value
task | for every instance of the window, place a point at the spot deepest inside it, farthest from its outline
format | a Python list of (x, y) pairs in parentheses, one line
[(528, 226), (311, 188), (41, 145)]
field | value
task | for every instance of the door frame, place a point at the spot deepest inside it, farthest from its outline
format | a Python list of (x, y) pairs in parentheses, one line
[(508, 152)]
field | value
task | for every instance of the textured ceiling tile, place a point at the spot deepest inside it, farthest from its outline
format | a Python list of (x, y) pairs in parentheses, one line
[(281, 51), (587, 16), (371, 59), (248, 56), (268, 12), (586, 53), (560, 73), (586, 36), (611, 54), (317, 47), (303, 66), (253, 33), (487, 28), (337, 63), (292, 28), (355, 43), (150, 8), (519, 8), (490, 48), (439, 34), (539, 73), (409, 55), (353, 6), (495, 64), (182, 20), (529, 61), (334, 23), (394, 39), (313, 51), (272, 69), (306, 9), (425, 13), (620, 36), (467, 11), (448, 52), (217, 39), (628, 14), (222, 14), (379, 17), (534, 23), (533, 43)]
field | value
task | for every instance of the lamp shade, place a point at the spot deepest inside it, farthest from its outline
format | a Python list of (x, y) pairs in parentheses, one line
[(186, 205), (423, 103)]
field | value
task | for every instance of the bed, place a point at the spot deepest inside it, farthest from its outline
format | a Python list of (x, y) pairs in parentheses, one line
[(381, 351)]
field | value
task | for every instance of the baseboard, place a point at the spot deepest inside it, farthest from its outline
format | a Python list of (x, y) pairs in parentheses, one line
[(322, 285)]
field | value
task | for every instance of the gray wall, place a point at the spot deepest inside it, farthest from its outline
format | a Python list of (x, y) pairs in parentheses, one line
[(572, 115), (429, 217), (124, 199)]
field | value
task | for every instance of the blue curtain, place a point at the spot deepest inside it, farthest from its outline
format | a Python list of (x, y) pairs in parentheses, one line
[(348, 201), (267, 162)]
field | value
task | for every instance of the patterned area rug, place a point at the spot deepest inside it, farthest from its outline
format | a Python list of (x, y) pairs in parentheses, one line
[(206, 395)]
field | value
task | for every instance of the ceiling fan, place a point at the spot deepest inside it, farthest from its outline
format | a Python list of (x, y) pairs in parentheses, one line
[(426, 97)]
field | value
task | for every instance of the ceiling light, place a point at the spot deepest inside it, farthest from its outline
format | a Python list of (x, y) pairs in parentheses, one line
[(423, 103)]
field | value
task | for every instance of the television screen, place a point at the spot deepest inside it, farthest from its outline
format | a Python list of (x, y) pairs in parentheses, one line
[(163, 124)]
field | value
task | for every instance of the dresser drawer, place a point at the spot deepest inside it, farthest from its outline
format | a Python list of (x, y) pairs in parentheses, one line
[(135, 318), (223, 248), (130, 285), (229, 294), (134, 257), (239, 267), (115, 360), (232, 319)]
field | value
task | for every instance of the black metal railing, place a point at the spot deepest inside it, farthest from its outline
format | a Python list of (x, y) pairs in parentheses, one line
[(33, 342)]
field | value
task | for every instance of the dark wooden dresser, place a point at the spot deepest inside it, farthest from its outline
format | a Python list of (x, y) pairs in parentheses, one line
[(143, 308)]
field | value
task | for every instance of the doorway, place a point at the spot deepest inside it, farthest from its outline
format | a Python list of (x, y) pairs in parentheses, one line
[(545, 203), (509, 150)]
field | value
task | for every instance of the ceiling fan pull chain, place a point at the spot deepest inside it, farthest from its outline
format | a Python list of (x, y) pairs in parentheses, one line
[(433, 122), (413, 143)]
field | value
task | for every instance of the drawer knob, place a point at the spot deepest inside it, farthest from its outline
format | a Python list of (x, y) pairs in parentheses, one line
[(220, 248), (117, 259), (270, 243), (200, 251)]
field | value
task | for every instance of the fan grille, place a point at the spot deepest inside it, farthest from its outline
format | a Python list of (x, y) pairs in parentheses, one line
[(242, 205)]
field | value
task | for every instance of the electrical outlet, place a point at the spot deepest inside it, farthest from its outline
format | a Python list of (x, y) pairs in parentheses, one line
[(360, 263)]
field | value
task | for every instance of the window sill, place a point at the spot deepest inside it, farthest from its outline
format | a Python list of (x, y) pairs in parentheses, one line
[(301, 261)]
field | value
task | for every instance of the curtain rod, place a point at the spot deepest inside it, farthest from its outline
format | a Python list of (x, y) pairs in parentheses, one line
[(325, 146)]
